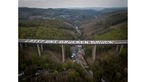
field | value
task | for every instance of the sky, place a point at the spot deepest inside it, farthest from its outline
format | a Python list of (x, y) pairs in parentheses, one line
[(71, 3)]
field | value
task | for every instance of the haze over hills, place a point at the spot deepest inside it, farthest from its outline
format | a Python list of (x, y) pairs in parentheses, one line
[(72, 15)]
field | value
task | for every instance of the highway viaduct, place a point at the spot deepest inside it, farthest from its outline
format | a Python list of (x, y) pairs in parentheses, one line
[(40, 42)]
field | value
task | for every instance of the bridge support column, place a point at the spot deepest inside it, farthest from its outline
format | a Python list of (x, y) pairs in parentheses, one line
[(41, 47), (39, 51), (119, 49), (21, 46), (94, 53), (63, 54)]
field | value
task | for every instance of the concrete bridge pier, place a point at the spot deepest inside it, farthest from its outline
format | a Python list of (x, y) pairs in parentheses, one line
[(94, 53), (41, 47), (119, 49), (63, 53), (39, 51), (21, 46)]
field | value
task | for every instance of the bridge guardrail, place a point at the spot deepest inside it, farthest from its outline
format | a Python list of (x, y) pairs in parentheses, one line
[(41, 41)]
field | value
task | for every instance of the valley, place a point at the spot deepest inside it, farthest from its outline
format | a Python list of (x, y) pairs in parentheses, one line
[(72, 24)]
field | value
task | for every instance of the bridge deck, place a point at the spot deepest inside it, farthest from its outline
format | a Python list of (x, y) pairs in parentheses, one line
[(40, 41)]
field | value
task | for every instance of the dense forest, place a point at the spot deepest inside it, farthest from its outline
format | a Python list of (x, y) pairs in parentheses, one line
[(45, 29), (60, 24)]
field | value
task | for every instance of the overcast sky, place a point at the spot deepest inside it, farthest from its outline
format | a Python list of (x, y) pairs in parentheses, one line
[(71, 3)]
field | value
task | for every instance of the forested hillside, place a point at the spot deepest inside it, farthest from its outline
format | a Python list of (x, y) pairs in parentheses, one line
[(72, 24), (45, 29), (112, 25)]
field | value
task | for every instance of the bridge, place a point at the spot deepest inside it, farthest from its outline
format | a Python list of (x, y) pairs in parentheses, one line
[(40, 42)]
